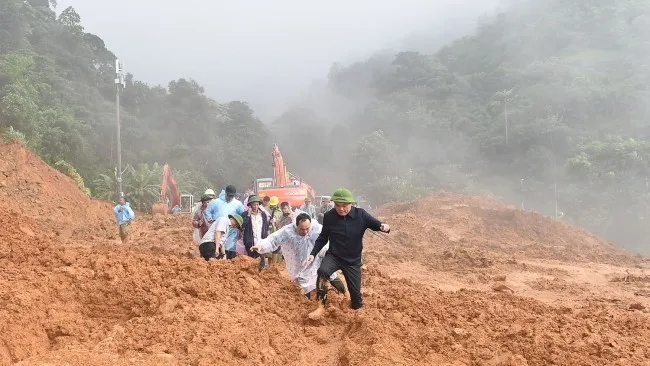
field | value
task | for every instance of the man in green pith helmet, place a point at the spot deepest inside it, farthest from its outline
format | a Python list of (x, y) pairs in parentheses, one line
[(343, 227)]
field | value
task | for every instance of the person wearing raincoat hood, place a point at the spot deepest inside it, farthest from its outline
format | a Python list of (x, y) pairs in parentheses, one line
[(296, 242), (123, 215), (225, 205)]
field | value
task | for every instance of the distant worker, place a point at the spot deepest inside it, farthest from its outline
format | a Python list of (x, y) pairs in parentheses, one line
[(308, 208), (200, 220), (209, 192), (324, 207), (275, 217), (275, 212), (266, 203), (343, 227), (296, 241), (287, 215), (124, 215), (224, 207), (176, 209), (266, 206)]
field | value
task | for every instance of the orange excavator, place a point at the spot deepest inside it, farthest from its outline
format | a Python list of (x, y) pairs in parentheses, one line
[(286, 186), (168, 181)]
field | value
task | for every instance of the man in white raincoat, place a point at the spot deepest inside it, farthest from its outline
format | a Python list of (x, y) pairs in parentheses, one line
[(296, 241)]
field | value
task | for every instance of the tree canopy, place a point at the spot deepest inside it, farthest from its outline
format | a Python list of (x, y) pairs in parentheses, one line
[(544, 106), (548, 96), (57, 90)]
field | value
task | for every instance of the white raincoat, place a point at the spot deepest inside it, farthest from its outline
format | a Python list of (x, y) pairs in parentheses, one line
[(295, 249)]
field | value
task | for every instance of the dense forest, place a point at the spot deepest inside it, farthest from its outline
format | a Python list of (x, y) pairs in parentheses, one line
[(545, 106), (57, 94)]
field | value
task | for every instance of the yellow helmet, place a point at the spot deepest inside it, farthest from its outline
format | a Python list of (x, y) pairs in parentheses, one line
[(274, 201)]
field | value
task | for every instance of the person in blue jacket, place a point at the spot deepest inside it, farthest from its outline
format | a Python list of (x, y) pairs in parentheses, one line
[(225, 205), (124, 215)]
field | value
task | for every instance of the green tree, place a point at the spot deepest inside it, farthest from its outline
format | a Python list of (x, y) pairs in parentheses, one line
[(503, 98), (70, 19), (142, 185)]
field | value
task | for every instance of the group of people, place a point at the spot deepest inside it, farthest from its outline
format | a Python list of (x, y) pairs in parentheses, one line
[(315, 243)]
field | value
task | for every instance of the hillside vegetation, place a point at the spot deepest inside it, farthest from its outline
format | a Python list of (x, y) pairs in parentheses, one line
[(549, 96), (57, 94), (544, 106)]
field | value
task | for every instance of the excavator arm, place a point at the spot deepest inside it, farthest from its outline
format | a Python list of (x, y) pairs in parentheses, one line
[(282, 188), (279, 170), (174, 192), (168, 182), (163, 185)]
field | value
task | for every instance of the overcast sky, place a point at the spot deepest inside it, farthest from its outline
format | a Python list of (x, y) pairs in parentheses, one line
[(265, 52)]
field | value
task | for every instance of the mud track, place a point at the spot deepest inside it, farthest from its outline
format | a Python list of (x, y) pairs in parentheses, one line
[(435, 290)]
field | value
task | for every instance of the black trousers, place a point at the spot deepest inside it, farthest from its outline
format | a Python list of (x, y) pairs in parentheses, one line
[(352, 273)]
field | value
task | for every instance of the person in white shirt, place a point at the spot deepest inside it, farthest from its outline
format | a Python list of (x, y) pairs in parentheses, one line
[(296, 242), (215, 238)]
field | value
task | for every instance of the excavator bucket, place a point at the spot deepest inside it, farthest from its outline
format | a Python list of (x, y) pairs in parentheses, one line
[(159, 208)]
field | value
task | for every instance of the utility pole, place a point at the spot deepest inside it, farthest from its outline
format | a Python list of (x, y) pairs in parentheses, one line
[(119, 81)]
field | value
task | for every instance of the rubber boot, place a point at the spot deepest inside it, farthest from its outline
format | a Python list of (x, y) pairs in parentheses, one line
[(321, 295), (262, 264), (338, 285)]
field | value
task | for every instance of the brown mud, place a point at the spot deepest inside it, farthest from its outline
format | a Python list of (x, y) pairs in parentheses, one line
[(459, 281)]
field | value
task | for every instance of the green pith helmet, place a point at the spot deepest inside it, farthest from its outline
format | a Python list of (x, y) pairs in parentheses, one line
[(237, 218), (342, 195), (254, 198)]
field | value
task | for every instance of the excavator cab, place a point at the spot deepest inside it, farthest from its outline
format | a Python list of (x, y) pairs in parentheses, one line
[(187, 202)]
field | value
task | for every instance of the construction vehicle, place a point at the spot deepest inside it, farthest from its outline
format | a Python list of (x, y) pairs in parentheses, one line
[(286, 186), (187, 202), (166, 203)]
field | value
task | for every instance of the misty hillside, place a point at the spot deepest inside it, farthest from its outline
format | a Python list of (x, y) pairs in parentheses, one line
[(549, 96), (544, 106), (57, 92)]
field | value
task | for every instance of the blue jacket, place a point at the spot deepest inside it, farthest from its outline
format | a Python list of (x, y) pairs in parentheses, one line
[(220, 208), (125, 215)]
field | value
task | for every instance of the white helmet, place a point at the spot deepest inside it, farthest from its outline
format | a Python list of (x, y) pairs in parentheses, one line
[(209, 192)]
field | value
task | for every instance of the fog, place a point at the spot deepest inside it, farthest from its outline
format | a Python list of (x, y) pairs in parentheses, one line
[(264, 52)]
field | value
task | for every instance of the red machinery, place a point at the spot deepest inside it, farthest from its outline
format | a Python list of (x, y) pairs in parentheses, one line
[(168, 181), (284, 185)]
